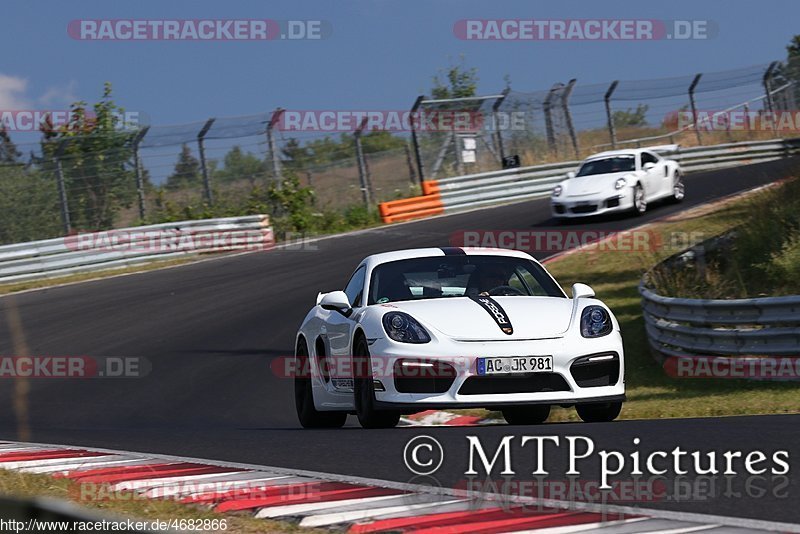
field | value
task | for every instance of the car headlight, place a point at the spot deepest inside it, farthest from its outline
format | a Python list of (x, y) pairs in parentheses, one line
[(402, 327), (557, 191), (595, 322), (620, 183)]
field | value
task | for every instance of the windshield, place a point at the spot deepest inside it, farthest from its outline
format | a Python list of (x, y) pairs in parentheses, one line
[(625, 163), (459, 276)]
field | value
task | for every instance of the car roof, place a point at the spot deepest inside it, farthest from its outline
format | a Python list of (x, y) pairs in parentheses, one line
[(385, 257), (658, 150)]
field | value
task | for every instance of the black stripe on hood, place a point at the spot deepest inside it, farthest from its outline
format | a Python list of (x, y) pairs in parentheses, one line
[(496, 312)]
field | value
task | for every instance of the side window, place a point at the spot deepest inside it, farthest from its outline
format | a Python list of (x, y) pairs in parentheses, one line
[(355, 287), (647, 157)]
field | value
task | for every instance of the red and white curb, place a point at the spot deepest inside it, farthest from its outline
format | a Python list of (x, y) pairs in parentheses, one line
[(341, 503)]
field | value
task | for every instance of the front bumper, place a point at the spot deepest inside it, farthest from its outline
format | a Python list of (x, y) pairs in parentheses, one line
[(567, 384), (574, 207)]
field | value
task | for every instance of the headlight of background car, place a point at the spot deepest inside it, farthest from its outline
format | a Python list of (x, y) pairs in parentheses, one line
[(620, 183), (557, 191), (402, 327), (595, 322)]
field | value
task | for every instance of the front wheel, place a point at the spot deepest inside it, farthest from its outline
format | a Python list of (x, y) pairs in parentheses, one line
[(526, 415), (639, 200), (678, 189), (603, 412), (307, 413), (364, 392)]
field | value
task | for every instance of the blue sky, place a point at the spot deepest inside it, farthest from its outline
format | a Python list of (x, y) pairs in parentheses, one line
[(380, 55)]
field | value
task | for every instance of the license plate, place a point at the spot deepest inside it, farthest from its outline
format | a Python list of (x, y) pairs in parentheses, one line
[(514, 365)]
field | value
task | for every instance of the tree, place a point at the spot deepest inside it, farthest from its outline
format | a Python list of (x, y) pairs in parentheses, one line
[(239, 165), (8, 150), (629, 117), (456, 81), (187, 170), (96, 158)]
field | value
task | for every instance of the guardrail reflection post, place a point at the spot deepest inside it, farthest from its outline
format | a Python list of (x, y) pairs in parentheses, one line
[(137, 162), (363, 173), (568, 116), (62, 188), (612, 133), (498, 134), (274, 157), (203, 167), (692, 87), (414, 139)]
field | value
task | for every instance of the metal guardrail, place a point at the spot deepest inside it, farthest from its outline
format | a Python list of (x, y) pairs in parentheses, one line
[(741, 330), (125, 247), (473, 190)]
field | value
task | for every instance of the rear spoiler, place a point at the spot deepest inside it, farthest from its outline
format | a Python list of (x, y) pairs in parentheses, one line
[(664, 149)]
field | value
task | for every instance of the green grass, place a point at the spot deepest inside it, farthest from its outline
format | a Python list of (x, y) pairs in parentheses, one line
[(124, 504), (651, 393)]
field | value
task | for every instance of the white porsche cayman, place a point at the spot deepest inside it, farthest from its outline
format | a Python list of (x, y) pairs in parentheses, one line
[(456, 328), (620, 180)]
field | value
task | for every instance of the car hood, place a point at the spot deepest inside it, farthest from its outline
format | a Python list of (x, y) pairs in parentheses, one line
[(464, 319), (593, 184)]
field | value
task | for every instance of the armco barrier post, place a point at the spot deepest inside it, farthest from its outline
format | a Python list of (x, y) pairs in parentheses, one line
[(137, 162), (612, 133), (692, 87), (62, 188), (203, 167)]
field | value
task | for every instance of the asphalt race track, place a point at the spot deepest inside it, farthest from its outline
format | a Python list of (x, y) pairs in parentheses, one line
[(210, 330)]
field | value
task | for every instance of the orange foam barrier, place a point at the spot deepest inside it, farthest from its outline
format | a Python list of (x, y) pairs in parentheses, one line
[(415, 207)]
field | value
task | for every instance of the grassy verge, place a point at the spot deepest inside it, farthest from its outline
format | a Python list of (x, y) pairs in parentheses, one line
[(651, 393), (27, 485)]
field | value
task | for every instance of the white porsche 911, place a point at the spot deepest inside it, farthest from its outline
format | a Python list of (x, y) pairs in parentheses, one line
[(619, 180), (456, 328)]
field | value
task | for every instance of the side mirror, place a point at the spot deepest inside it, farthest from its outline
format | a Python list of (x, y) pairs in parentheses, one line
[(580, 291), (335, 300), (649, 165), (570, 175)]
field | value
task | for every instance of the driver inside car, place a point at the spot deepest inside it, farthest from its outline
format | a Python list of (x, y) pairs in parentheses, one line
[(491, 278)]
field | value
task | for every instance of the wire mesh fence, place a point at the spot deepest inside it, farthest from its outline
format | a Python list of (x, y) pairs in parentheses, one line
[(95, 179)]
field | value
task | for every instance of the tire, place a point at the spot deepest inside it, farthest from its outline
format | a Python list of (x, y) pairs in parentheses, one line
[(599, 412), (639, 200), (364, 391), (526, 415), (678, 188), (307, 413)]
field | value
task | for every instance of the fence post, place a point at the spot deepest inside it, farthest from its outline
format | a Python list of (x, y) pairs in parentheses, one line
[(568, 116), (137, 162), (692, 87), (412, 174), (62, 188), (414, 139), (548, 119), (498, 134), (274, 157), (362, 165), (203, 167), (612, 132), (768, 93)]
